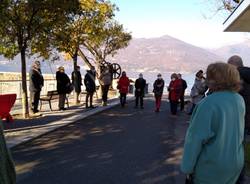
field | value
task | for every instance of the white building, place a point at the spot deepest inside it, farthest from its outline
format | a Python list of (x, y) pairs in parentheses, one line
[(239, 20)]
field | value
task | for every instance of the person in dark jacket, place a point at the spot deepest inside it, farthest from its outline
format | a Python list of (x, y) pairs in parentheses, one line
[(245, 90), (7, 167), (89, 82), (36, 83), (105, 81), (245, 93), (123, 85), (140, 85), (77, 82), (158, 91), (184, 87), (63, 86)]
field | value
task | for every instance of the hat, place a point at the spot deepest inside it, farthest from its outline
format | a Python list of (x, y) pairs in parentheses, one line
[(199, 73), (60, 68), (36, 64)]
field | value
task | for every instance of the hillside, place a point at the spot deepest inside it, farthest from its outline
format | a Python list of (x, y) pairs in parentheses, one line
[(163, 54), (242, 49)]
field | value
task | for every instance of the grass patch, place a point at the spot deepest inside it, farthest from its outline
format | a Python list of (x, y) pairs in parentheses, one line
[(247, 156)]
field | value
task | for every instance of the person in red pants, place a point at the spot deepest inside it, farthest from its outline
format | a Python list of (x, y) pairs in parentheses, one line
[(158, 91), (123, 85)]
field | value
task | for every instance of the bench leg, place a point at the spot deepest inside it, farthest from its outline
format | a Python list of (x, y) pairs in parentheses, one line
[(50, 105), (67, 101), (41, 105)]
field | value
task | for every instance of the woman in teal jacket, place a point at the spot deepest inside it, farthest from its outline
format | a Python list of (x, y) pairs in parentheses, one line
[(213, 151)]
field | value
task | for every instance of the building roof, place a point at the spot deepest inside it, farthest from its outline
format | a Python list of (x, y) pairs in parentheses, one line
[(239, 20)]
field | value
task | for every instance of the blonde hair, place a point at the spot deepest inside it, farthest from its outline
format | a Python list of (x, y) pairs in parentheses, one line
[(60, 68), (222, 77)]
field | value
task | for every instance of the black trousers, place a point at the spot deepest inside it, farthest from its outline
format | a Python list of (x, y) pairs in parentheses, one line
[(62, 98), (89, 99), (137, 99), (192, 109), (123, 97), (182, 102), (173, 107), (105, 90), (34, 100), (241, 179)]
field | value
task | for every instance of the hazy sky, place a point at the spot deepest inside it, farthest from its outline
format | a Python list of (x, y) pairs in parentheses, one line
[(183, 19)]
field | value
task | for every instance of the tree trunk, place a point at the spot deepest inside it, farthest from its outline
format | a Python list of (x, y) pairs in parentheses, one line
[(75, 60), (25, 104), (75, 65)]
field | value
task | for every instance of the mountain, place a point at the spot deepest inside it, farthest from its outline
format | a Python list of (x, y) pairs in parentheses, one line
[(14, 65), (153, 55), (241, 49), (164, 54)]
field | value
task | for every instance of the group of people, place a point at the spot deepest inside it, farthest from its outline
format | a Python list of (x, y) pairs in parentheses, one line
[(215, 139), (214, 142), (123, 87), (66, 86), (176, 90)]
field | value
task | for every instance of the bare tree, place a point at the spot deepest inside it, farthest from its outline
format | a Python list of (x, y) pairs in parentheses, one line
[(222, 7)]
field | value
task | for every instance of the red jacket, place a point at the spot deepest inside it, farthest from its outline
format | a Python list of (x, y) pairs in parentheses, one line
[(123, 84), (175, 89)]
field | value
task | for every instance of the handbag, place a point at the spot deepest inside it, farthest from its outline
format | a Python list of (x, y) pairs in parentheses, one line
[(189, 179), (69, 88)]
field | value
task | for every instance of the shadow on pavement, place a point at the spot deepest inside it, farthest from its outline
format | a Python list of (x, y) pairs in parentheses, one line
[(117, 146)]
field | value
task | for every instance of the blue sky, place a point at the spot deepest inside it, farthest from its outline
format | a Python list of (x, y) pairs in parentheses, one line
[(183, 19)]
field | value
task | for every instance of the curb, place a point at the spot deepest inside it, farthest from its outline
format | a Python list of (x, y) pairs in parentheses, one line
[(28, 135)]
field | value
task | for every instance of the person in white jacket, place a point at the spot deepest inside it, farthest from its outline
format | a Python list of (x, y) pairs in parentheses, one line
[(198, 90)]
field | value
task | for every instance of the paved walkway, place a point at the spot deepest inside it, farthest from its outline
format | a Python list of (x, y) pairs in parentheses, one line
[(23, 130), (117, 146)]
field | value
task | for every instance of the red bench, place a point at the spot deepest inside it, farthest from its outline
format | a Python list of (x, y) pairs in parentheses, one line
[(6, 103)]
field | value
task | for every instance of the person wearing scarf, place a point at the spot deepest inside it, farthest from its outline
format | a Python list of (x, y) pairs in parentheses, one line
[(36, 83)]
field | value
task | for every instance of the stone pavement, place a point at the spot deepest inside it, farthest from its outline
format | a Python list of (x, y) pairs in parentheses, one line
[(23, 130), (118, 146)]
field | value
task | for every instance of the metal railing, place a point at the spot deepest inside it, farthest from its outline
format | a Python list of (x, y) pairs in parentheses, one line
[(15, 86)]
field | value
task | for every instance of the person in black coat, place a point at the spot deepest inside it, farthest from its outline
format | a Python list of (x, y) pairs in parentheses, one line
[(184, 87), (245, 93), (89, 82), (63, 86), (245, 90), (140, 85), (77, 82), (158, 91), (36, 83)]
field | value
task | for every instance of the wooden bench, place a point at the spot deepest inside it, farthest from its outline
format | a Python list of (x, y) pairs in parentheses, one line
[(51, 95)]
